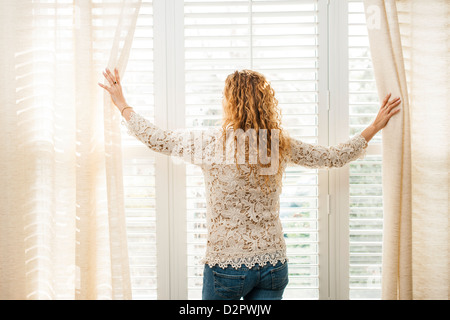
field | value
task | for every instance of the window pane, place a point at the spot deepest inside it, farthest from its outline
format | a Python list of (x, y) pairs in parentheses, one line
[(280, 41), (139, 162), (366, 201), (366, 228)]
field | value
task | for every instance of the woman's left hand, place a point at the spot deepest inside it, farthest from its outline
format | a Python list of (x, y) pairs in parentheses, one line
[(115, 88)]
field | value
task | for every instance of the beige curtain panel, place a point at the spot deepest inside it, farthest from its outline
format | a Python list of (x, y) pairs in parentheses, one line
[(62, 222), (410, 51)]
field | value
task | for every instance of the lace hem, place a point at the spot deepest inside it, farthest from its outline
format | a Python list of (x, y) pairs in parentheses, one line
[(249, 261)]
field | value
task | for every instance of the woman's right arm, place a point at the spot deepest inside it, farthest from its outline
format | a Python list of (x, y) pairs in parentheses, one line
[(316, 156)]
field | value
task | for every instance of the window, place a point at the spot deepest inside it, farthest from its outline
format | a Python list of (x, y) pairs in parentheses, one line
[(139, 163), (182, 53), (281, 41), (366, 206)]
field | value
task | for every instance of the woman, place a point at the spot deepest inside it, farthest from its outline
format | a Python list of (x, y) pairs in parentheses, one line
[(246, 252)]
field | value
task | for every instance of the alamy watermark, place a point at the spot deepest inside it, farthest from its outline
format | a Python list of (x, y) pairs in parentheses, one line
[(191, 145), (373, 17)]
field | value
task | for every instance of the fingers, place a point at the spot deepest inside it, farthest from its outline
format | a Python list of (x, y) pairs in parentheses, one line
[(393, 113), (104, 87), (385, 101), (116, 72), (109, 76), (394, 103), (391, 105)]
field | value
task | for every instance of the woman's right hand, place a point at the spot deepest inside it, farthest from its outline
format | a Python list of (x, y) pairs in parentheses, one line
[(386, 112)]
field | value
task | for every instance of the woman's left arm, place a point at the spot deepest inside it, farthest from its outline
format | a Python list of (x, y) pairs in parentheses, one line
[(178, 142)]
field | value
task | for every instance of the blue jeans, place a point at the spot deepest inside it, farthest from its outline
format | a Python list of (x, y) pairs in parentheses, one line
[(258, 283)]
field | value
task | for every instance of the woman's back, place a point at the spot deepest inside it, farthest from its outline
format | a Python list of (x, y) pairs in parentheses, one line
[(242, 218)]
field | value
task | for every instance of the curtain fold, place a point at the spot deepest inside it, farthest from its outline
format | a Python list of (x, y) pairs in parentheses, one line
[(410, 52), (62, 218)]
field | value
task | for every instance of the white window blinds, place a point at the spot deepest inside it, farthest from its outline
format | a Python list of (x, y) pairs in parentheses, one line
[(366, 205), (286, 41), (280, 40), (139, 162)]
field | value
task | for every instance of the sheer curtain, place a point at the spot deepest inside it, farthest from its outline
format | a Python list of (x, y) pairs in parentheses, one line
[(410, 50), (62, 224)]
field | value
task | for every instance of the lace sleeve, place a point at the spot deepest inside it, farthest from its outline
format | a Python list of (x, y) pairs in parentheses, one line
[(316, 156), (182, 143)]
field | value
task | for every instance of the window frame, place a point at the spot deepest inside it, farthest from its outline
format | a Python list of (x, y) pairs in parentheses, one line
[(339, 132), (170, 177)]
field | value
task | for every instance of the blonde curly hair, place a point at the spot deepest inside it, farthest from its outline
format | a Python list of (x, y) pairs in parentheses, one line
[(250, 103)]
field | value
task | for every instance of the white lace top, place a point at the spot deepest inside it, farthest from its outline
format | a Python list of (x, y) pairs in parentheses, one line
[(243, 223)]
